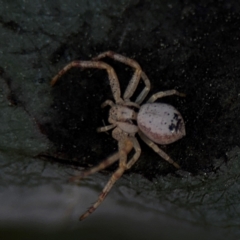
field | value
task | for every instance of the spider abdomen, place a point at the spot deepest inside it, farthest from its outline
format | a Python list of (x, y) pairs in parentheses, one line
[(161, 123)]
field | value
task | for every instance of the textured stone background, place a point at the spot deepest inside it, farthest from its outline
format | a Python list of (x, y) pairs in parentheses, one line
[(46, 133)]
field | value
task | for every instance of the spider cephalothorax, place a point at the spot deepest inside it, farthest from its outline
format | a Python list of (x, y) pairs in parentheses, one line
[(153, 122)]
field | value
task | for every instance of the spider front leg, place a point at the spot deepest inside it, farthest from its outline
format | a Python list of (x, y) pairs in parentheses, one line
[(113, 79), (138, 73), (125, 146)]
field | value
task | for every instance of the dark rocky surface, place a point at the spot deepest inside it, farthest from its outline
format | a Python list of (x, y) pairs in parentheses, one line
[(185, 45)]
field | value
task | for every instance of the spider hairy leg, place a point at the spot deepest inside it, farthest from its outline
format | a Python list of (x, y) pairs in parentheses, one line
[(146, 89), (137, 154), (125, 147), (138, 74), (107, 103), (159, 151), (113, 79), (116, 175), (167, 93), (104, 164), (106, 128), (118, 57)]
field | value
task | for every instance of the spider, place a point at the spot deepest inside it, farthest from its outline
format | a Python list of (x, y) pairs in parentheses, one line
[(155, 123)]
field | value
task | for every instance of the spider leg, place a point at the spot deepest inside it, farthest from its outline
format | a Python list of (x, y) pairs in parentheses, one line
[(104, 164), (114, 83), (106, 128), (146, 89), (125, 146), (116, 175), (135, 78), (107, 103), (157, 95), (127, 103), (137, 154), (157, 149)]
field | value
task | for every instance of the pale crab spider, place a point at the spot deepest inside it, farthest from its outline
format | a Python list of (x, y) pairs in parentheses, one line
[(156, 122)]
